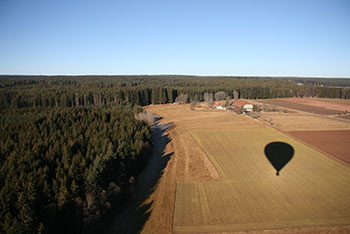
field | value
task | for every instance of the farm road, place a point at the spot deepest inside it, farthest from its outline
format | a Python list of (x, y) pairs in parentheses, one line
[(138, 210)]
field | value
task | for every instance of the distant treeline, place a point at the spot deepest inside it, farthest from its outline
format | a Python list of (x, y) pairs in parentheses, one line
[(62, 170), (54, 91)]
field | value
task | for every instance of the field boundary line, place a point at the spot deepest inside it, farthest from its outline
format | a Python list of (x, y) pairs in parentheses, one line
[(174, 206)]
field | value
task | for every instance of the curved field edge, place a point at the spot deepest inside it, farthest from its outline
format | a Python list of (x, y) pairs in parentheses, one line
[(251, 197)]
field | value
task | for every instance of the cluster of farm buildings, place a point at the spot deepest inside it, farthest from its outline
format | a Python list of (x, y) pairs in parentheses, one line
[(237, 106)]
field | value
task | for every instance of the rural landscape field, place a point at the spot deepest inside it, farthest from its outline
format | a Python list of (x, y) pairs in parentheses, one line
[(219, 180), (175, 117), (173, 154)]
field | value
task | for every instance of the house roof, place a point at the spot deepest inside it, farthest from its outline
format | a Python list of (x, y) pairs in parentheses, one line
[(240, 103)]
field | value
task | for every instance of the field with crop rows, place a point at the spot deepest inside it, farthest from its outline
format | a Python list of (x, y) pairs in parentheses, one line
[(252, 197), (219, 180)]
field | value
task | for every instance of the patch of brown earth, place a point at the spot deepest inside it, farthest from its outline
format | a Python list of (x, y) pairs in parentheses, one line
[(334, 143)]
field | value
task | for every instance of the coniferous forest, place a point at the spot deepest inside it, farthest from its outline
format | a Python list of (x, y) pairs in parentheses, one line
[(63, 168), (65, 91), (71, 147)]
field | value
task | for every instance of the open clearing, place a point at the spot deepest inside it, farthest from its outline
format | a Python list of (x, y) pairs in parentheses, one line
[(221, 180), (335, 143), (252, 197)]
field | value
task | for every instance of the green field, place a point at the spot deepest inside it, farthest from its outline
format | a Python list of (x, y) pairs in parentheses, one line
[(312, 190)]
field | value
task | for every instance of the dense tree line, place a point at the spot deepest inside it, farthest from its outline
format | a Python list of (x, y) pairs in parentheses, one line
[(144, 90), (62, 169)]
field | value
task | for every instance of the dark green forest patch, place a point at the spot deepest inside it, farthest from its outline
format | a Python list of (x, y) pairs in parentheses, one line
[(62, 169)]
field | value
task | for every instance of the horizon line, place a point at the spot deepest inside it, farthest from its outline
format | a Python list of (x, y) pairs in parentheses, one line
[(257, 76)]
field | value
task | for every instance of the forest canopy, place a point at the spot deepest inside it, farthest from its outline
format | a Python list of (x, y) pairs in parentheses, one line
[(69, 91), (62, 168)]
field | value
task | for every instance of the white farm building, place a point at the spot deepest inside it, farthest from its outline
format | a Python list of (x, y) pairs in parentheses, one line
[(248, 107)]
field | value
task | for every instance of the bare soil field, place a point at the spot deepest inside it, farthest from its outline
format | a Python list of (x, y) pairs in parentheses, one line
[(302, 106), (335, 143), (251, 196), (189, 168)]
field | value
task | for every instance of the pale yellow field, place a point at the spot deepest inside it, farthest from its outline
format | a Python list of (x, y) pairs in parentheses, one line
[(311, 190), (188, 162), (298, 121)]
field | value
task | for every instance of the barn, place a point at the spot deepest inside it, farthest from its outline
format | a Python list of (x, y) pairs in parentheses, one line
[(248, 108), (242, 105)]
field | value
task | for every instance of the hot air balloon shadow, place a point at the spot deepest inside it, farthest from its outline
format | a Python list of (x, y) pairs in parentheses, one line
[(279, 154)]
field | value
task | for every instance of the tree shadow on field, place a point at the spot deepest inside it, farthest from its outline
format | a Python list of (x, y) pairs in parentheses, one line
[(136, 213)]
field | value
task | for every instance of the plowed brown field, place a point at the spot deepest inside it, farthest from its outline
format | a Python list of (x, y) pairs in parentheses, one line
[(335, 143)]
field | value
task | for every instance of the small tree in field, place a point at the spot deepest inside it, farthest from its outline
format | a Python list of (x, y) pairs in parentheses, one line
[(182, 98), (227, 102), (194, 102), (235, 95), (193, 105), (255, 108)]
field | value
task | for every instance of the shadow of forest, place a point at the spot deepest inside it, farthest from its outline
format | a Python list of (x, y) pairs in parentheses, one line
[(136, 213)]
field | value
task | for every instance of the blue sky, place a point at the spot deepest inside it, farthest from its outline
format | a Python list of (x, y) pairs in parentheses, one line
[(199, 37)]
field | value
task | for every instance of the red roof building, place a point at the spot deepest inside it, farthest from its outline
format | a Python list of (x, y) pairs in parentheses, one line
[(240, 103), (217, 104)]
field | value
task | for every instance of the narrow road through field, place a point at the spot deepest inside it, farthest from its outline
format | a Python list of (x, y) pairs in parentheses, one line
[(137, 211)]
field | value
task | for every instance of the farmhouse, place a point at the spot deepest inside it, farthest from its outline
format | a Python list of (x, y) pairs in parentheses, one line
[(242, 105)]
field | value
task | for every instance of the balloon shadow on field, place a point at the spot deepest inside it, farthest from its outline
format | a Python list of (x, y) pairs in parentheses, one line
[(279, 154), (136, 213)]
